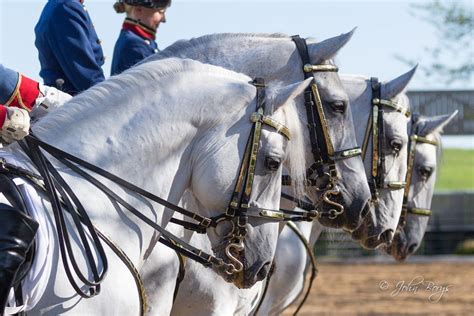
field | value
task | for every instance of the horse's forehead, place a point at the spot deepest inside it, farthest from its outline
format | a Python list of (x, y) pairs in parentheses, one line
[(396, 125), (330, 87), (425, 155), (357, 90)]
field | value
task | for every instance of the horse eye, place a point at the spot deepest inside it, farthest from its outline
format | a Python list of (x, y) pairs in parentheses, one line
[(425, 172), (339, 106), (272, 164), (396, 146)]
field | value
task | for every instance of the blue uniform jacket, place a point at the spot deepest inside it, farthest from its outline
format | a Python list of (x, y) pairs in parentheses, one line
[(68, 46), (134, 44)]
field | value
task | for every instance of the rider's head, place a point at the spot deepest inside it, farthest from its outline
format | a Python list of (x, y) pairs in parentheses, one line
[(149, 12)]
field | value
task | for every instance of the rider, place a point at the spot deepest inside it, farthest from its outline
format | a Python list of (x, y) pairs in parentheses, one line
[(70, 53), (137, 38), (21, 96)]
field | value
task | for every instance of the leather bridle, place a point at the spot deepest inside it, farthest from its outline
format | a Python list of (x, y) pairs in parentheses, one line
[(376, 130), (325, 157), (414, 139)]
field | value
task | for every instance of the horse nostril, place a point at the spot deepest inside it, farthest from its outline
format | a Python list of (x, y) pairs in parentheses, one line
[(412, 248), (387, 236), (263, 272)]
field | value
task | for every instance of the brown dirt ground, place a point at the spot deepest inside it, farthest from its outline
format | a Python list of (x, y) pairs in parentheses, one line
[(355, 289)]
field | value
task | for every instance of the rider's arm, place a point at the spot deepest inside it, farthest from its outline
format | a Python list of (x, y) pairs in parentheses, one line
[(17, 90), (69, 35)]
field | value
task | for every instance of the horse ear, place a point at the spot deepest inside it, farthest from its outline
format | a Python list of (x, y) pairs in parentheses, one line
[(435, 124), (327, 49), (282, 96), (396, 86)]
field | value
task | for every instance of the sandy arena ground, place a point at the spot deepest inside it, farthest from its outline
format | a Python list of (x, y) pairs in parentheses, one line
[(377, 289)]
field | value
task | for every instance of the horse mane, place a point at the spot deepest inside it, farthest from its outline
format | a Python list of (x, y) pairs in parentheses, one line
[(116, 88), (296, 158), (182, 45)]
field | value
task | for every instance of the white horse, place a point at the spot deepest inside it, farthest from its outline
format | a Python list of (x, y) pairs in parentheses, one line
[(291, 257), (166, 127), (392, 152), (425, 149)]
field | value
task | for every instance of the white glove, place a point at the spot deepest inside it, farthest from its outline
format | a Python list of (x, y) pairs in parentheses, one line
[(16, 125), (49, 99)]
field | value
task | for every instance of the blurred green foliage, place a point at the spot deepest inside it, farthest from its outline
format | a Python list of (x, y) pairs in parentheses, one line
[(457, 170)]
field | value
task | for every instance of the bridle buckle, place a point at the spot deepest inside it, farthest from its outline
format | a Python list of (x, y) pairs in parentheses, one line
[(206, 222)]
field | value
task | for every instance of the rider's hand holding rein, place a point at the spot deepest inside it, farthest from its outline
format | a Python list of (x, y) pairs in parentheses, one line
[(14, 123), (23, 97)]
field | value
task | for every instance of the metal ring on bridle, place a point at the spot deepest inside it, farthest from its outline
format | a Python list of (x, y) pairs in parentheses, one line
[(224, 219)]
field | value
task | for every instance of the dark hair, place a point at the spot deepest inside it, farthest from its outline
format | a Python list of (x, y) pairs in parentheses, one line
[(148, 3)]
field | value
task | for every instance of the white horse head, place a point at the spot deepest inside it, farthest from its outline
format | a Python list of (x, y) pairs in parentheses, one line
[(275, 57), (165, 126), (262, 235), (381, 227), (426, 159)]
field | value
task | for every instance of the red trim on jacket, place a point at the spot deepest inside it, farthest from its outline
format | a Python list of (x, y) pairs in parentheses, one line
[(139, 29), (25, 94), (3, 115)]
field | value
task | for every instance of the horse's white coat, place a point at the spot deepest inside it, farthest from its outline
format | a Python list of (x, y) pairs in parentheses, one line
[(162, 132), (408, 239)]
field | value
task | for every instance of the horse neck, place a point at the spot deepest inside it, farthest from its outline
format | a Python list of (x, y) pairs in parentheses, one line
[(127, 132), (144, 138), (271, 57)]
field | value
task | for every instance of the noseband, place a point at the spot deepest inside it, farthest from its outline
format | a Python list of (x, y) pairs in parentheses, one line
[(322, 148), (376, 130), (414, 139)]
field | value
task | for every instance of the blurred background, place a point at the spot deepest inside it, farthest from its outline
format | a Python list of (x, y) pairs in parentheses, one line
[(391, 37)]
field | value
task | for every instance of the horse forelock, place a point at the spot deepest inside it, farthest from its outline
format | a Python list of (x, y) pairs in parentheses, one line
[(295, 153)]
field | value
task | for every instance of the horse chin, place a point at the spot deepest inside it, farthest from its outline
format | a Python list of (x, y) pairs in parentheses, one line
[(237, 279), (397, 248), (367, 236)]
